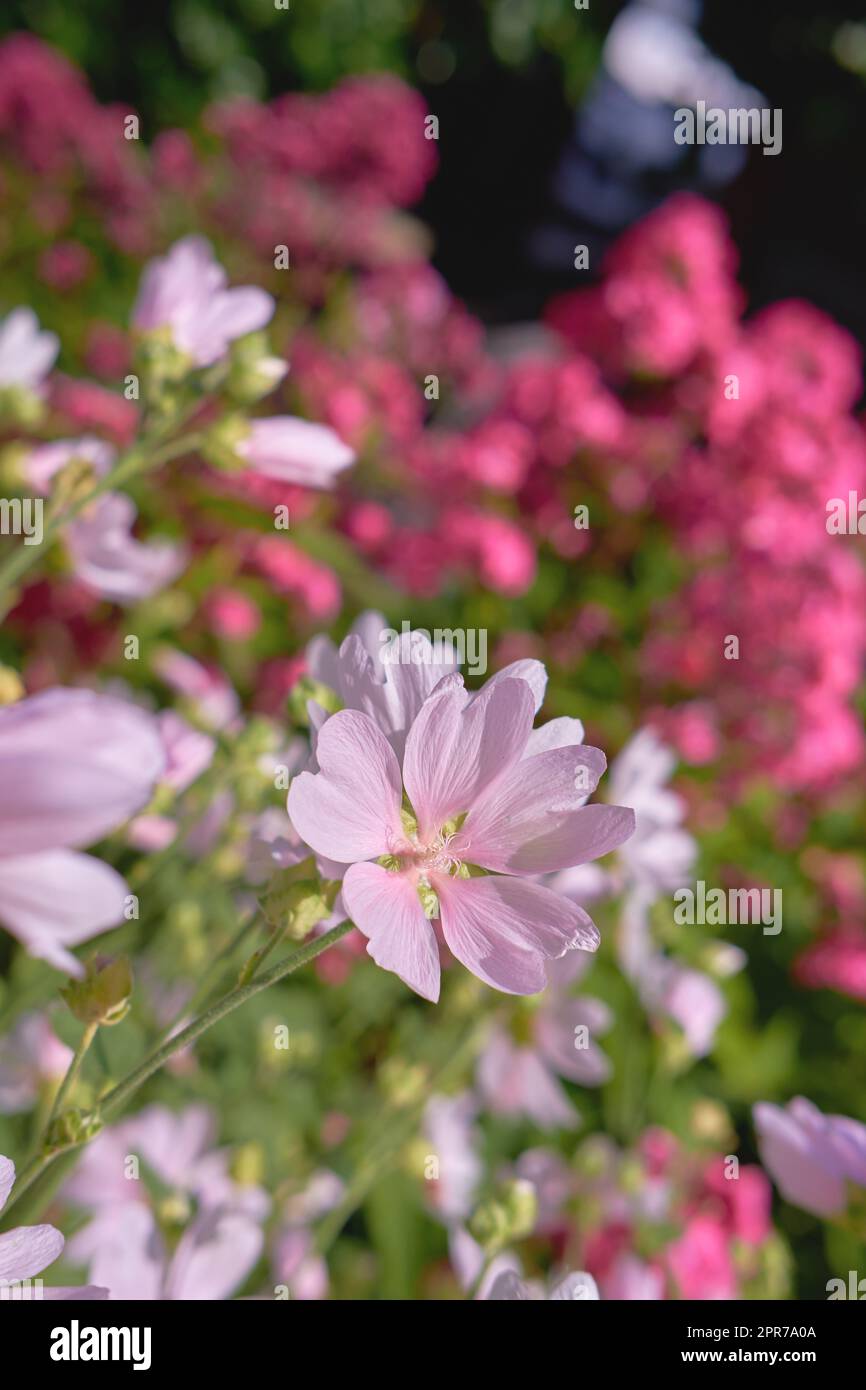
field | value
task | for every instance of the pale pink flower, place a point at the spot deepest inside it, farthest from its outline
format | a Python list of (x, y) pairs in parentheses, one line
[(295, 451), (186, 292), (388, 676), (31, 1056), (509, 1287), (213, 699), (690, 997), (188, 752), (73, 766), (811, 1156), (123, 1245), (631, 1279), (295, 1261), (44, 462), (520, 1077), (476, 758), (110, 561), (26, 1251), (450, 1129), (27, 353)]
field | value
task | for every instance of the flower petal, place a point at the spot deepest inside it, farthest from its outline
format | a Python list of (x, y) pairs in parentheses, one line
[(215, 1255), (7, 1179), (456, 749), (73, 765), (386, 908), (534, 821), (58, 899), (27, 1250), (504, 929), (350, 809)]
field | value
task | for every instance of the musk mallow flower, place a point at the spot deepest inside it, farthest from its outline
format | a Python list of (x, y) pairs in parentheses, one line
[(27, 352), (811, 1157), (482, 806), (26, 1251), (186, 291), (74, 765)]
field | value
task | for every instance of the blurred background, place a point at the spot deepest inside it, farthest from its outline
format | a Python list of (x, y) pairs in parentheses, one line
[(548, 116)]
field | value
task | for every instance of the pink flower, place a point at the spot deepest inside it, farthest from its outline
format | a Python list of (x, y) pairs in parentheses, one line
[(518, 1076), (26, 353), (233, 615), (110, 561), (73, 766), (449, 1127), (385, 674), (700, 1261), (484, 791), (42, 464), (124, 1244), (214, 700), (295, 451), (185, 291), (30, 1056), (690, 997), (632, 1280), (837, 961), (189, 752), (26, 1251), (295, 1262), (510, 1287), (291, 571), (811, 1156)]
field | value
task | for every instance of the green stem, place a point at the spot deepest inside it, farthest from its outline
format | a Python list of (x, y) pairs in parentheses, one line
[(381, 1157), (116, 1098), (69, 1079)]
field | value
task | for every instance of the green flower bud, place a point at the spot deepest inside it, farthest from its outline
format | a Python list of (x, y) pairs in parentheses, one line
[(102, 996)]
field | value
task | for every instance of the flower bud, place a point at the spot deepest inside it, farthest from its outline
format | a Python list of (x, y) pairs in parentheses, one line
[(102, 996)]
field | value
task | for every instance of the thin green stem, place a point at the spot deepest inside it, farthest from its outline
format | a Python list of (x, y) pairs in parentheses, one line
[(118, 1096), (394, 1134), (69, 1080)]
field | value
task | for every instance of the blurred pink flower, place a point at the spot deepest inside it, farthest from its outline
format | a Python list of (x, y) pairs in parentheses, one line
[(810, 1156), (518, 1075), (73, 766), (233, 615), (213, 699), (123, 1244), (31, 1056), (295, 451), (509, 1287), (27, 353), (186, 292), (110, 561), (700, 1261)]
